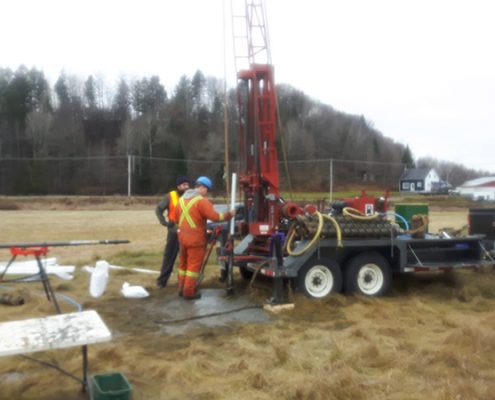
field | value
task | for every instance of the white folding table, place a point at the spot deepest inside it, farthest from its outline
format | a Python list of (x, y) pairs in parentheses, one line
[(54, 332)]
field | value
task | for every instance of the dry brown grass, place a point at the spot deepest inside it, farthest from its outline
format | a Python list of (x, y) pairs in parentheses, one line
[(432, 338)]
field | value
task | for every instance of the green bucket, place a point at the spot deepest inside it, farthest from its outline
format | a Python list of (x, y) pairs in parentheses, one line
[(407, 211), (113, 386)]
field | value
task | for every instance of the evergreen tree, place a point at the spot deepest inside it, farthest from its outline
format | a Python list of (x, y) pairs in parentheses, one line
[(407, 158)]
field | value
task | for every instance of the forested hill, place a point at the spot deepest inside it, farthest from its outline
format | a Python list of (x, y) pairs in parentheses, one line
[(87, 117)]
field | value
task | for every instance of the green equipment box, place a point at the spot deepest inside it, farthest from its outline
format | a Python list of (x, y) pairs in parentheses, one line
[(407, 211)]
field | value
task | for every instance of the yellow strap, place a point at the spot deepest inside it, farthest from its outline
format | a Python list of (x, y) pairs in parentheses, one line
[(192, 274), (185, 210), (221, 216)]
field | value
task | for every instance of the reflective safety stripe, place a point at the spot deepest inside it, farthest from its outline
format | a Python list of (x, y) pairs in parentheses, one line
[(174, 199), (181, 272), (192, 274), (221, 216), (185, 210)]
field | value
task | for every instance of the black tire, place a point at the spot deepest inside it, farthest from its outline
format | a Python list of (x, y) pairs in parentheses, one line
[(368, 274), (319, 278)]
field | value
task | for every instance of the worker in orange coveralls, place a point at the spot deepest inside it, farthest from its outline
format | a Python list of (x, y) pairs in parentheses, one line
[(192, 212)]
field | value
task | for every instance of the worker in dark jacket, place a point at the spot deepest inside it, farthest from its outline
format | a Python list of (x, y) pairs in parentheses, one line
[(191, 214), (169, 204)]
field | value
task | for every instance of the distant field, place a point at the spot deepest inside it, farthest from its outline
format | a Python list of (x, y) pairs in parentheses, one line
[(431, 338), (147, 202)]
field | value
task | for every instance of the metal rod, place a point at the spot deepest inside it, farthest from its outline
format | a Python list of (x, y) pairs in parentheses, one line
[(50, 294), (61, 244), (233, 195), (230, 241), (7, 267), (85, 368)]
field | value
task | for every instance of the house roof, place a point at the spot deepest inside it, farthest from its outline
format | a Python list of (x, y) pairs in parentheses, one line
[(415, 173), (485, 181)]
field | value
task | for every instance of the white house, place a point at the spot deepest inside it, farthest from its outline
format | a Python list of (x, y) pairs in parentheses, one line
[(479, 189), (419, 180)]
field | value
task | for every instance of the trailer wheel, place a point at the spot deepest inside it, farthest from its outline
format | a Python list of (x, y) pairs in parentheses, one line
[(368, 274), (319, 278)]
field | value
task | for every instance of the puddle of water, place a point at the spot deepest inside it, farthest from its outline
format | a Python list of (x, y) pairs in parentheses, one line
[(11, 377), (212, 301)]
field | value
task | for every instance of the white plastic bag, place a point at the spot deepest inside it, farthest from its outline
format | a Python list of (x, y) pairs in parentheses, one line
[(99, 279), (133, 292)]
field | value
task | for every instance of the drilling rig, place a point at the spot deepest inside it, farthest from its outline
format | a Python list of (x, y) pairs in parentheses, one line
[(257, 108), (354, 247)]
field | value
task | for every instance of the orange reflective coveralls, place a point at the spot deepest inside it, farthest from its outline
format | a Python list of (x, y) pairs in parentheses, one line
[(192, 212)]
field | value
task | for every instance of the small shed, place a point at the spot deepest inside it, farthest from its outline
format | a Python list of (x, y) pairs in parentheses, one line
[(418, 180), (478, 189)]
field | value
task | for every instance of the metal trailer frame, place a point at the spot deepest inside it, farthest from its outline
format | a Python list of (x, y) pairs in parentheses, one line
[(404, 255)]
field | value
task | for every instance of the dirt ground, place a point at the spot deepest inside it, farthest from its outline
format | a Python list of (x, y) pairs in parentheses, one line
[(432, 337)]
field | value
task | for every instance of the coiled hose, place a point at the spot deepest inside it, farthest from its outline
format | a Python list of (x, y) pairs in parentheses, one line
[(356, 214), (315, 237), (347, 211)]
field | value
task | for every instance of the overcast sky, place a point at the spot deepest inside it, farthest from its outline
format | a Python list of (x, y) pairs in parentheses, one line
[(422, 71)]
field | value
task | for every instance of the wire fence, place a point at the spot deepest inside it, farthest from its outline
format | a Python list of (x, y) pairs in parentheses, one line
[(137, 175)]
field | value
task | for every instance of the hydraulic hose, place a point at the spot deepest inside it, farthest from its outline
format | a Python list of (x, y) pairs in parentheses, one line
[(311, 242), (315, 237), (404, 221), (337, 229), (356, 214)]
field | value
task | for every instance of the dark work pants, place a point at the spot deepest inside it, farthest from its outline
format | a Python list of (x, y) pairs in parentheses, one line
[(169, 256)]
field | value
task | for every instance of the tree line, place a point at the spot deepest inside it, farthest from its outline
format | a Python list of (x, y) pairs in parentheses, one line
[(83, 117)]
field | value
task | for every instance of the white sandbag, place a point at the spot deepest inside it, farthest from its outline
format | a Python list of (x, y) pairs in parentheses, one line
[(99, 279), (133, 292)]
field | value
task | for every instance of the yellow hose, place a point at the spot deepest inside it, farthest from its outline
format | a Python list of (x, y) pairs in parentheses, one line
[(337, 229), (316, 235), (312, 241), (356, 214)]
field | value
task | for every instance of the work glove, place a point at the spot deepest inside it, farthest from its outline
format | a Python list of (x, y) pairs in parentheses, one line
[(170, 224)]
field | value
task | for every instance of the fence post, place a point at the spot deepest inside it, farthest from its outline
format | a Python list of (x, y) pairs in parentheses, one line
[(331, 180), (129, 175)]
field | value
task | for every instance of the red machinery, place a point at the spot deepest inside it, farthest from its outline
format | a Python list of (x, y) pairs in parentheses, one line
[(257, 100), (259, 176), (368, 205), (257, 107)]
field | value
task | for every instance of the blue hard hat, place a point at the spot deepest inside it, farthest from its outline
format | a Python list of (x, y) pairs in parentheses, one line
[(205, 181)]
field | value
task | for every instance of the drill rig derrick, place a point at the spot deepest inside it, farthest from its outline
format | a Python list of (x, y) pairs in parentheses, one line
[(259, 175), (257, 107)]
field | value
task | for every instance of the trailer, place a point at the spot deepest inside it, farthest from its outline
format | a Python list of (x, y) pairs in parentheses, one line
[(366, 266)]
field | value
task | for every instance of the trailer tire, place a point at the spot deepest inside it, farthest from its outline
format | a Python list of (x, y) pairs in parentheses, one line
[(319, 278), (368, 274)]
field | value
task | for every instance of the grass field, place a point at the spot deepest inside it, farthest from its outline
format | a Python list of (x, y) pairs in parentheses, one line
[(431, 338)]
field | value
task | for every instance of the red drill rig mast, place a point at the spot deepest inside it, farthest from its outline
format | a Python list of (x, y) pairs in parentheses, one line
[(258, 169)]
